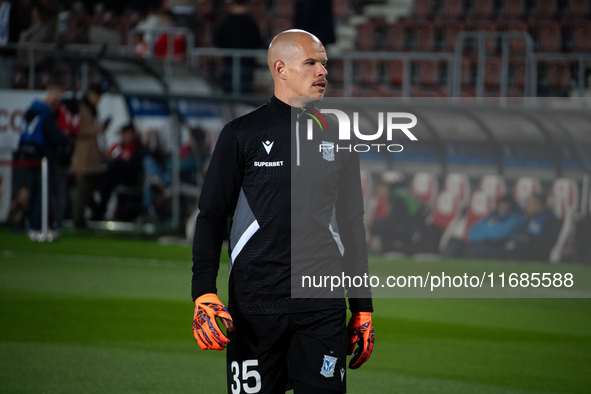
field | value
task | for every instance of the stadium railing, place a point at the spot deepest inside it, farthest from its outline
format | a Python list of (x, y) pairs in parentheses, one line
[(454, 79)]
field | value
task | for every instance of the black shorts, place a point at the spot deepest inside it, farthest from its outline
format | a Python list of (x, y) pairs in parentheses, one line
[(267, 352)]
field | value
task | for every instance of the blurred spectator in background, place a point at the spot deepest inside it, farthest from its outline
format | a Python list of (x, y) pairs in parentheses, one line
[(9, 34), (87, 158), (536, 237), (146, 37), (486, 239), (238, 30), (178, 41), (41, 137), (381, 208), (41, 31), (397, 228), (124, 166), (68, 123), (153, 38), (104, 33), (315, 16), (18, 208), (158, 177)]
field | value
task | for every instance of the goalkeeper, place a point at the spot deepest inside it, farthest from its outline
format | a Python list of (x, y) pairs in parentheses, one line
[(275, 342)]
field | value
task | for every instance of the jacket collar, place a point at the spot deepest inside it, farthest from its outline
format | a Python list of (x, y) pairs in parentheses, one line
[(281, 109), (284, 110)]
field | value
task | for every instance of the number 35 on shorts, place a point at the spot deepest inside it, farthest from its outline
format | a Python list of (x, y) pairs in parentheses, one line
[(246, 379)]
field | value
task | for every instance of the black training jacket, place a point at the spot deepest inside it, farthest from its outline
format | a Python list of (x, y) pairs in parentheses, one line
[(288, 201)]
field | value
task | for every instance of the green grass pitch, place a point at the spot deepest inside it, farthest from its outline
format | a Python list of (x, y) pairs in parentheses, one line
[(96, 313)]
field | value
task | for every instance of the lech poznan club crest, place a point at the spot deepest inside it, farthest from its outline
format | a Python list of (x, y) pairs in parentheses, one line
[(327, 150), (328, 366)]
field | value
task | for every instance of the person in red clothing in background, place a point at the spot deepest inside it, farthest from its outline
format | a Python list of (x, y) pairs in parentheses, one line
[(124, 166), (156, 31), (178, 41), (68, 121)]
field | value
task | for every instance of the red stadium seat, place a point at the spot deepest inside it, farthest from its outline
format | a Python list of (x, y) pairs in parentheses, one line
[(468, 92), (467, 66), (451, 32), (179, 46), (396, 71), (580, 7), (380, 33), (340, 8), (513, 91), (480, 206), (564, 202), (453, 8), (204, 7), (258, 8), (280, 24), (549, 36), (564, 197), (514, 8), (422, 8), (425, 187), (517, 73), (460, 185), (366, 71), (428, 72), (492, 72), (582, 36), (489, 43), (493, 186), (425, 37), (336, 71), (439, 43), (483, 8), (395, 36), (525, 187), (368, 90), (517, 44), (284, 8), (365, 33), (558, 74), (547, 7), (447, 207)]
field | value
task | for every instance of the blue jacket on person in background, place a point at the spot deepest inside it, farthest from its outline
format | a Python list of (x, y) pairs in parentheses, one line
[(542, 225), (536, 237), (40, 135), (496, 227)]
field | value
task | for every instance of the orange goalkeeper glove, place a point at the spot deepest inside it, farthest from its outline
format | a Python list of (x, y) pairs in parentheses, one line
[(206, 331), (360, 331)]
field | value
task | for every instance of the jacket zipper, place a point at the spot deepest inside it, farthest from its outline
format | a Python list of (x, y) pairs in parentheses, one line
[(298, 140)]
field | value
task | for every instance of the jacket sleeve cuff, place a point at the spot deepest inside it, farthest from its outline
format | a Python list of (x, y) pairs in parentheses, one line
[(360, 304)]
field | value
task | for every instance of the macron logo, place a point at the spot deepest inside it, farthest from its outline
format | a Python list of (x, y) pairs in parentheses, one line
[(268, 145)]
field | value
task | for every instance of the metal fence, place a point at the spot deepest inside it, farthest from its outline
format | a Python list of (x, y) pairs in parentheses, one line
[(81, 60), (194, 58)]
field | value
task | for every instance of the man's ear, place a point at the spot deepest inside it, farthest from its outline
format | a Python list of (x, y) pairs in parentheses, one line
[(279, 69)]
